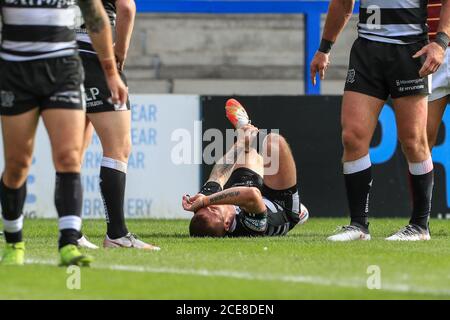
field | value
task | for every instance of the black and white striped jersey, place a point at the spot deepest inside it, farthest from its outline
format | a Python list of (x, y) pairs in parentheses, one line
[(37, 29), (84, 41), (273, 222), (393, 21)]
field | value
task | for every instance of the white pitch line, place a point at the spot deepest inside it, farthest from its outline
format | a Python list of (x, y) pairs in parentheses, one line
[(313, 280)]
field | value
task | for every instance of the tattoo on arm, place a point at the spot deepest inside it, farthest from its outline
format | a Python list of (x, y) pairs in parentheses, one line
[(223, 170), (92, 15), (225, 195)]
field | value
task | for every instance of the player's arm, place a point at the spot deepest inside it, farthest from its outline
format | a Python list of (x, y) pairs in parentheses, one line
[(223, 169), (249, 199), (99, 30), (126, 13), (339, 13), (444, 22), (435, 50)]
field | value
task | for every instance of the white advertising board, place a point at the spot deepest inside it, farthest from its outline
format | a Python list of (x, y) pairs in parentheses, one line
[(155, 183)]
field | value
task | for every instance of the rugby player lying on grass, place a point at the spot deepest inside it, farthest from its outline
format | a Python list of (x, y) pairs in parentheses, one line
[(242, 196)]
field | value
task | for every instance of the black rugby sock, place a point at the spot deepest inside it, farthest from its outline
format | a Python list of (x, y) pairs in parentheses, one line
[(12, 203), (68, 202), (421, 181), (112, 186), (358, 182)]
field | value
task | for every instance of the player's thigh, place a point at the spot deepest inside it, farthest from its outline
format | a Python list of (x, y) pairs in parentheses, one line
[(411, 114), (359, 118), (251, 160), (18, 132), (114, 131), (436, 111), (280, 171), (65, 128)]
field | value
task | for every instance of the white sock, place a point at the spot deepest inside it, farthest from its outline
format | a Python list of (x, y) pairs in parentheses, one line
[(358, 165)]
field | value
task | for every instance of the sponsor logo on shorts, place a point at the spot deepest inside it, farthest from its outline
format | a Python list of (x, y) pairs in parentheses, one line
[(71, 97), (7, 99), (410, 85), (351, 76), (92, 97)]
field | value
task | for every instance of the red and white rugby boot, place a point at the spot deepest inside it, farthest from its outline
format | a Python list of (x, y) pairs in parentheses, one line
[(236, 113), (303, 214)]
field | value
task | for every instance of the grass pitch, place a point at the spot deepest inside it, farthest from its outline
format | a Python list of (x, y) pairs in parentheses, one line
[(300, 266)]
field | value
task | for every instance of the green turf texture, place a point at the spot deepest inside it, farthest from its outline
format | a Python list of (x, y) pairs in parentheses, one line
[(302, 265)]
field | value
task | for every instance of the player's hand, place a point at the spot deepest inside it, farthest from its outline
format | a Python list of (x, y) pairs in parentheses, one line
[(319, 64), (119, 92), (194, 203), (250, 133), (434, 58), (120, 59)]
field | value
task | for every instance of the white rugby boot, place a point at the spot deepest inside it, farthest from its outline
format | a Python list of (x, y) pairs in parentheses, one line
[(83, 242), (410, 233), (128, 241), (349, 233)]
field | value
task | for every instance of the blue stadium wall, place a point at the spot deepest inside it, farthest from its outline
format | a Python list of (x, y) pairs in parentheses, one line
[(311, 125)]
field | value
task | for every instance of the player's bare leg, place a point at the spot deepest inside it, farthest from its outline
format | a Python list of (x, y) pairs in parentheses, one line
[(436, 111), (252, 160), (113, 129), (278, 155), (83, 241), (18, 141), (359, 119), (280, 174), (88, 134), (411, 115), (65, 129)]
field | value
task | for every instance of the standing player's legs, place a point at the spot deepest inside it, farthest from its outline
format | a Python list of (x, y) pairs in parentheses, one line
[(113, 129), (438, 99), (18, 141), (112, 123), (359, 119), (65, 129), (436, 109), (411, 115)]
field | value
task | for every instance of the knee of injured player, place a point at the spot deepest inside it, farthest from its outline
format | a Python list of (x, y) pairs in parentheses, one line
[(212, 221)]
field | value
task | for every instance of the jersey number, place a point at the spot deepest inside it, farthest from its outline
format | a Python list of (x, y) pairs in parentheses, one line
[(374, 19)]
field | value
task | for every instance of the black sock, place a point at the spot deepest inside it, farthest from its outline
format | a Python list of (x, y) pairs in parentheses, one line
[(358, 182), (12, 202), (68, 202), (112, 187), (422, 190)]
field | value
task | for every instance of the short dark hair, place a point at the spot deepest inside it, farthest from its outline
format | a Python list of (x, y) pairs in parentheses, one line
[(204, 224)]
